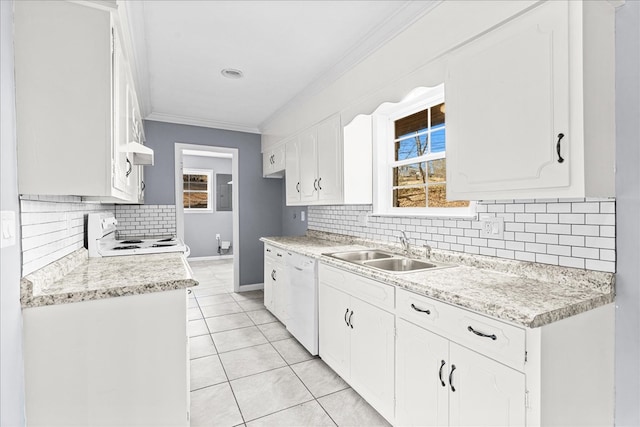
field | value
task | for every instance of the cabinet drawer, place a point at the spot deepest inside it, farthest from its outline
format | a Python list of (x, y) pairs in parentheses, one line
[(493, 338), (274, 253), (367, 290)]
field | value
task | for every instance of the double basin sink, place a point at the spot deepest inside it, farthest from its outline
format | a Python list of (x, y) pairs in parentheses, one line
[(386, 261)]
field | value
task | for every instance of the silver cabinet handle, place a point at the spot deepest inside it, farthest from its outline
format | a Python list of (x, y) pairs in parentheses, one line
[(129, 168), (315, 182), (350, 316), (319, 187)]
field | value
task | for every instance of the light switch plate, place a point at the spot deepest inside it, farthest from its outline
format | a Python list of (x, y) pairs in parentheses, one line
[(7, 228)]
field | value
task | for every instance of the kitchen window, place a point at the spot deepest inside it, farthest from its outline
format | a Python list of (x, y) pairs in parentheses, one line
[(411, 176), (196, 190)]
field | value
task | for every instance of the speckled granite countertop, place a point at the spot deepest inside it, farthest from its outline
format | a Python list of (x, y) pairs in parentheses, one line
[(523, 293), (77, 278)]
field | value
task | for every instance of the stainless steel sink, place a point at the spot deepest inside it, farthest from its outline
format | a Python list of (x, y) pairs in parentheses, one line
[(363, 255), (386, 261), (400, 264)]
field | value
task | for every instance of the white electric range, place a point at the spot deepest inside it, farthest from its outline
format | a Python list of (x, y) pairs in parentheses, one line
[(102, 242)]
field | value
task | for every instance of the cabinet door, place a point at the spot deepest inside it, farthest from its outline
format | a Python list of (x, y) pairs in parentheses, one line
[(267, 163), (422, 389), (373, 355), (487, 393), (269, 278), (278, 159), (121, 89), (292, 175), (281, 290), (507, 99), (329, 153), (308, 166), (334, 333)]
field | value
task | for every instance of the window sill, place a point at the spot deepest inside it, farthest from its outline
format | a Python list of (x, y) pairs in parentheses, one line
[(426, 215)]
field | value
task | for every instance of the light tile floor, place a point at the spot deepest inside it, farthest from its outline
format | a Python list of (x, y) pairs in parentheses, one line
[(247, 370)]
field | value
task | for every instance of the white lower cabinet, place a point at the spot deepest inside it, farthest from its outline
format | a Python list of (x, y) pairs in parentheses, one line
[(357, 339), (422, 362), (276, 283), (440, 383)]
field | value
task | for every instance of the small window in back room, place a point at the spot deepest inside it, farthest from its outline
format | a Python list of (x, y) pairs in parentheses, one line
[(223, 192), (196, 190)]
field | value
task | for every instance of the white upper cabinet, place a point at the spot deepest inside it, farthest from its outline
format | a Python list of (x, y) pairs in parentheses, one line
[(273, 162), (325, 168), (76, 108), (530, 107)]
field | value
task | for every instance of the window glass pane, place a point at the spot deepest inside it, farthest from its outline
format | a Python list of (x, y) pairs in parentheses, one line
[(438, 198), (437, 115), (438, 140), (411, 124), (411, 146), (437, 170), (414, 197), (196, 200), (198, 186), (413, 174)]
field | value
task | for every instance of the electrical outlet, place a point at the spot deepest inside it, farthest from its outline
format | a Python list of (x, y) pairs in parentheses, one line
[(492, 227), (302, 216), (217, 236)]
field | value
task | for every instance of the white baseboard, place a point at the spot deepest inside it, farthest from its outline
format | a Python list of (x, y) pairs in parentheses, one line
[(210, 258), (252, 287)]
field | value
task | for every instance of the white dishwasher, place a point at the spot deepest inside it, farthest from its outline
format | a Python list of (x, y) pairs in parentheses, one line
[(303, 301)]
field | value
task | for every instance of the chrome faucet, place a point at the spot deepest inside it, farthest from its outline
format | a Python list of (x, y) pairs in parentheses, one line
[(404, 241), (427, 251)]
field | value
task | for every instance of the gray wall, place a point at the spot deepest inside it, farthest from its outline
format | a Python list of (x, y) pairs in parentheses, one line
[(11, 365), (260, 200), (200, 228), (628, 214), (291, 222)]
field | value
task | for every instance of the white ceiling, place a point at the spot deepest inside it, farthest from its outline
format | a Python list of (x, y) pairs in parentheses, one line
[(286, 49)]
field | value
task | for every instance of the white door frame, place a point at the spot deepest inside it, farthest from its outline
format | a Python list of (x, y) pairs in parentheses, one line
[(179, 147)]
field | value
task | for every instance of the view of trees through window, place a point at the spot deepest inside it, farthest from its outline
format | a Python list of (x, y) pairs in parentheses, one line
[(419, 171)]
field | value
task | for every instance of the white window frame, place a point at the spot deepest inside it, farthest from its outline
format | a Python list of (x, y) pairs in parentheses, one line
[(384, 156), (209, 173)]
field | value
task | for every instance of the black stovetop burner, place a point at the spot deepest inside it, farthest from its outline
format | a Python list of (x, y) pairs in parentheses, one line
[(162, 245), (120, 248), (128, 242), (168, 239)]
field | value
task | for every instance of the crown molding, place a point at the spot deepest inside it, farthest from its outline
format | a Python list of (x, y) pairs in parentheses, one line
[(194, 121)]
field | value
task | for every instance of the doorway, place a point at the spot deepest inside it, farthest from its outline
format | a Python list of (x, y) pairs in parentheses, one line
[(206, 192)]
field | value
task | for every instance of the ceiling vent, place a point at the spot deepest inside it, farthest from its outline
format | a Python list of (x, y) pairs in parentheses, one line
[(231, 73)]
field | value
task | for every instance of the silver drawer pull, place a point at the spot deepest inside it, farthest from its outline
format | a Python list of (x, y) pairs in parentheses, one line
[(421, 310), (480, 334)]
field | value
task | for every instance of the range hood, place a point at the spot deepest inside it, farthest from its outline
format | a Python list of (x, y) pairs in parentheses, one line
[(141, 155)]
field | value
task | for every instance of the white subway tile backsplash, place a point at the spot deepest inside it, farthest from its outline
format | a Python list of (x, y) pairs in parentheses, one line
[(52, 227), (563, 232), (147, 220)]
